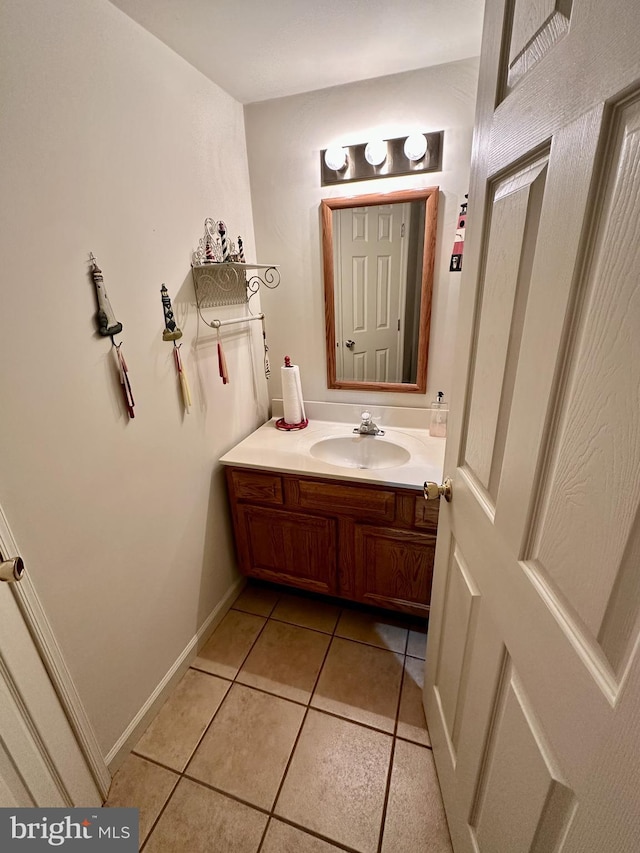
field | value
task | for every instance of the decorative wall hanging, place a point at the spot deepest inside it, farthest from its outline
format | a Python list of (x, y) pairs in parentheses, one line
[(221, 275), (108, 326), (173, 333), (458, 243), (220, 278)]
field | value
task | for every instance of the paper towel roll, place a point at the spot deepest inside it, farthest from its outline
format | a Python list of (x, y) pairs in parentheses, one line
[(292, 395)]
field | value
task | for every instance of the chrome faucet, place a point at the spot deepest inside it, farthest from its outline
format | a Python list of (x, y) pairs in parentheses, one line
[(367, 426)]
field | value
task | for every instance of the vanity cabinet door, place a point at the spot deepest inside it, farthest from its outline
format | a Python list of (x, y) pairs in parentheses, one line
[(287, 547), (394, 568)]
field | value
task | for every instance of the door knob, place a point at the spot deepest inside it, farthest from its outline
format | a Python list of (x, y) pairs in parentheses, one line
[(11, 570), (350, 344), (432, 491)]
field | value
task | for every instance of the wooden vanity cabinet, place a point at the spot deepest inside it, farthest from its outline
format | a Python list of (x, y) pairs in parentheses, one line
[(368, 543)]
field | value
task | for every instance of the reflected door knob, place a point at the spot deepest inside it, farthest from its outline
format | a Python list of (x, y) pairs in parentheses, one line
[(350, 344), (432, 491)]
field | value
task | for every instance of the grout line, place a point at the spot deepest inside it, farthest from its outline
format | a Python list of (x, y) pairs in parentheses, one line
[(264, 833), (414, 742), (214, 674), (158, 816), (332, 841), (368, 726), (228, 794), (206, 728), (304, 719), (271, 693), (391, 758), (157, 763), (372, 645), (297, 625)]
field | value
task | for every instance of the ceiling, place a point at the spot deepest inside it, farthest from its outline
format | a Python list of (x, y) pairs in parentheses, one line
[(260, 49)]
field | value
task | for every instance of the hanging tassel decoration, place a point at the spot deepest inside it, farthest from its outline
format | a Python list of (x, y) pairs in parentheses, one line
[(222, 362), (125, 384), (267, 367), (184, 382)]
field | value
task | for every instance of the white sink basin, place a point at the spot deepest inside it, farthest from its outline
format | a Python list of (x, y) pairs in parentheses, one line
[(360, 451)]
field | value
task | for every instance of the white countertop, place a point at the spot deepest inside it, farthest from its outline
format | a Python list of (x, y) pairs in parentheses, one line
[(271, 449)]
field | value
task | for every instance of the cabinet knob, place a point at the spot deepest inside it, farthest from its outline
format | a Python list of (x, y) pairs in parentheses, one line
[(433, 491)]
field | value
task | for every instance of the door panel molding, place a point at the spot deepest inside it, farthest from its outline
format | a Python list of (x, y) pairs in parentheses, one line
[(459, 623), (39, 627)]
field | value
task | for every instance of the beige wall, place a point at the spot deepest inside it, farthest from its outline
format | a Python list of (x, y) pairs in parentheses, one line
[(111, 143), (284, 138)]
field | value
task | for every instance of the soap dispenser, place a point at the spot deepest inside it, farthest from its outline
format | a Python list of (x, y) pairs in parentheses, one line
[(439, 412)]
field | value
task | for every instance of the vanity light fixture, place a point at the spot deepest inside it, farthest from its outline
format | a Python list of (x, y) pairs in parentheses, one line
[(415, 147), (375, 152), (382, 158), (335, 158)]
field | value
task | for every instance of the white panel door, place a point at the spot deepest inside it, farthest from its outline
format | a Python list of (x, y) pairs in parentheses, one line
[(41, 762), (532, 686), (372, 284)]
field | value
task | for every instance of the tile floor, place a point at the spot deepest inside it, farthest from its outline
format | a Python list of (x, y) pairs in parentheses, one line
[(298, 729)]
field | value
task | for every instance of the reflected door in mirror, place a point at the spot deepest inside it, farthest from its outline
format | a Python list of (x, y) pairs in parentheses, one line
[(371, 270), (378, 267)]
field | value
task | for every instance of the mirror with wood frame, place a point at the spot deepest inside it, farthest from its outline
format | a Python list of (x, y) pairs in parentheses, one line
[(378, 257)]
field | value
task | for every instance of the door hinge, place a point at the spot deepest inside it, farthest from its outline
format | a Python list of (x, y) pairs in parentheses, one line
[(398, 323), (402, 230)]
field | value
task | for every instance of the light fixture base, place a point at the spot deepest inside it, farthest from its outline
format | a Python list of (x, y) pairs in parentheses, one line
[(396, 162)]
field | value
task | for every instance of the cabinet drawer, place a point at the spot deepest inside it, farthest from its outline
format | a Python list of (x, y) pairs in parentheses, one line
[(259, 488), (376, 504), (426, 513)]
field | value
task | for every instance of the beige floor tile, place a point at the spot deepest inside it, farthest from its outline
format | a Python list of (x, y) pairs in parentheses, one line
[(285, 660), (411, 721), (256, 599), (307, 612), (417, 645), (246, 749), (361, 626), (282, 838), (336, 782), (230, 644), (361, 683), (175, 732), (198, 820), (415, 815), (142, 785)]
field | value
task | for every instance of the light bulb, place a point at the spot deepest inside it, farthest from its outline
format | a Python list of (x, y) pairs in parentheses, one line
[(415, 146), (376, 152), (335, 158)]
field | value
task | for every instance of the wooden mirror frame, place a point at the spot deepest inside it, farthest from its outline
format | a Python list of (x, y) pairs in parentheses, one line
[(327, 206)]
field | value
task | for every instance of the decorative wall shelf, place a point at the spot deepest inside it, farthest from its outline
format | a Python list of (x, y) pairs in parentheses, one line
[(231, 283)]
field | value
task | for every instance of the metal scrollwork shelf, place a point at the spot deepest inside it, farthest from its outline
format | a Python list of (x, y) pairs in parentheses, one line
[(231, 283)]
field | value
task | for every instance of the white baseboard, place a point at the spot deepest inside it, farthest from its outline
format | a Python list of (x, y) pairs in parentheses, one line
[(148, 711)]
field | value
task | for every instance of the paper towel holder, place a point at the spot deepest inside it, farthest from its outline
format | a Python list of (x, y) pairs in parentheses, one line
[(282, 424), (285, 425)]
